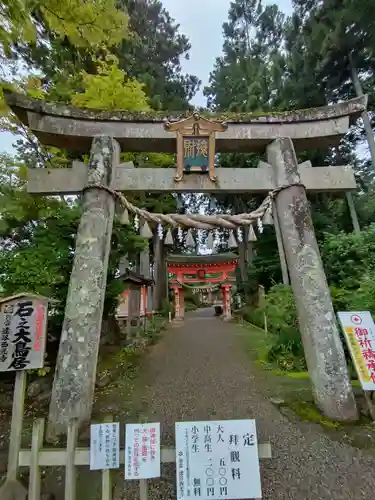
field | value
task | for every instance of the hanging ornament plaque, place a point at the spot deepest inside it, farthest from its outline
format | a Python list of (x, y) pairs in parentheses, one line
[(195, 145)]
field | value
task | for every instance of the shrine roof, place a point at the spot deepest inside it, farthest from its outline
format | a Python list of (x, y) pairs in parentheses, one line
[(59, 125), (135, 278), (220, 258)]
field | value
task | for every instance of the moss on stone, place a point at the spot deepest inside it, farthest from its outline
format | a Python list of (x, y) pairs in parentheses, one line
[(21, 103), (307, 411)]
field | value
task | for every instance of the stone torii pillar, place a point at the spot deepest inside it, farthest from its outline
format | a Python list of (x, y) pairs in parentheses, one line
[(74, 382), (320, 335)]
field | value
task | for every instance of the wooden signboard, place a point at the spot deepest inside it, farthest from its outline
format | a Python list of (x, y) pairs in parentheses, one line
[(195, 145), (23, 334), (23, 320)]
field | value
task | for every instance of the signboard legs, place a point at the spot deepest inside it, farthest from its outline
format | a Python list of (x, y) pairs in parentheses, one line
[(12, 488), (16, 424)]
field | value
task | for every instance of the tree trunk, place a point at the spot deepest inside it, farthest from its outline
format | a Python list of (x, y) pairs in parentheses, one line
[(320, 335), (74, 383), (364, 115)]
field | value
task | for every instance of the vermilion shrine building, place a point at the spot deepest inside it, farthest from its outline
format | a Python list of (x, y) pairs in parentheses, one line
[(210, 272)]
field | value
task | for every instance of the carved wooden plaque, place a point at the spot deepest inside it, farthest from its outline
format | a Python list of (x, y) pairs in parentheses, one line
[(195, 145)]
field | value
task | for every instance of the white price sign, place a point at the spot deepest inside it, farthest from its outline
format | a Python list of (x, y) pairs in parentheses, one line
[(142, 451), (217, 459)]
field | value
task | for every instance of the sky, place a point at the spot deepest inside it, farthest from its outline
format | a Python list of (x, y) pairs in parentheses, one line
[(201, 21)]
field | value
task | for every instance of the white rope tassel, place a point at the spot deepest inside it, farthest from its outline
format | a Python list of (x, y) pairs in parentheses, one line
[(267, 218), (232, 241), (146, 231), (169, 238), (189, 239), (125, 217), (252, 236)]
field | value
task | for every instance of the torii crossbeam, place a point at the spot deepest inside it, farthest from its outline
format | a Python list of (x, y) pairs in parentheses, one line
[(126, 178)]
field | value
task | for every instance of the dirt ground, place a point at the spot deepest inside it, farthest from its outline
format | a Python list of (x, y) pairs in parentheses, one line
[(208, 370)]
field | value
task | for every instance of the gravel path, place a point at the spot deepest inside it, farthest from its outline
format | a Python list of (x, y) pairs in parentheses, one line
[(200, 372)]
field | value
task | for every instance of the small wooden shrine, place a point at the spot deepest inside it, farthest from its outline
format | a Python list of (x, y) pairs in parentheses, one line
[(213, 273), (133, 301)]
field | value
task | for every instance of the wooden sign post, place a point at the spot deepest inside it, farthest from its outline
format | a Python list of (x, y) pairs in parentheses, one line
[(23, 333)]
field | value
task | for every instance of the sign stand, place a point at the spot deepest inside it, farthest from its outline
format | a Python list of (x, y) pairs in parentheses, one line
[(12, 486), (143, 489), (370, 404), (16, 424), (107, 473)]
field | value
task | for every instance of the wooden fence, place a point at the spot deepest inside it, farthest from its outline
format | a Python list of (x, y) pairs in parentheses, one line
[(72, 457)]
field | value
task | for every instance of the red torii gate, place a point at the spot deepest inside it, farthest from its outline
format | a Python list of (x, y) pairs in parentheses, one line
[(198, 271)]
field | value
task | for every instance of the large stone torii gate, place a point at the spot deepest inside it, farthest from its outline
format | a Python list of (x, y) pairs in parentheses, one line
[(104, 134)]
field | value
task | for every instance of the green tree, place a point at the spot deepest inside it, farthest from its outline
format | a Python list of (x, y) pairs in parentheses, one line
[(150, 51), (84, 24), (339, 47), (37, 237)]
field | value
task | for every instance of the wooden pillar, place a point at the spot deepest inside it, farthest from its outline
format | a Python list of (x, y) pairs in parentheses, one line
[(320, 335), (353, 212), (182, 303), (227, 312), (74, 383), (145, 270), (130, 314), (160, 274), (178, 306), (143, 306), (137, 306)]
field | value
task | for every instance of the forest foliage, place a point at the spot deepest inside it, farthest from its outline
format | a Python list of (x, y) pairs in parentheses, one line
[(271, 61), (127, 55)]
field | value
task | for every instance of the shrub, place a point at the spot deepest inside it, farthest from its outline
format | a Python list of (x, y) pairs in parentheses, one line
[(287, 349), (286, 346)]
